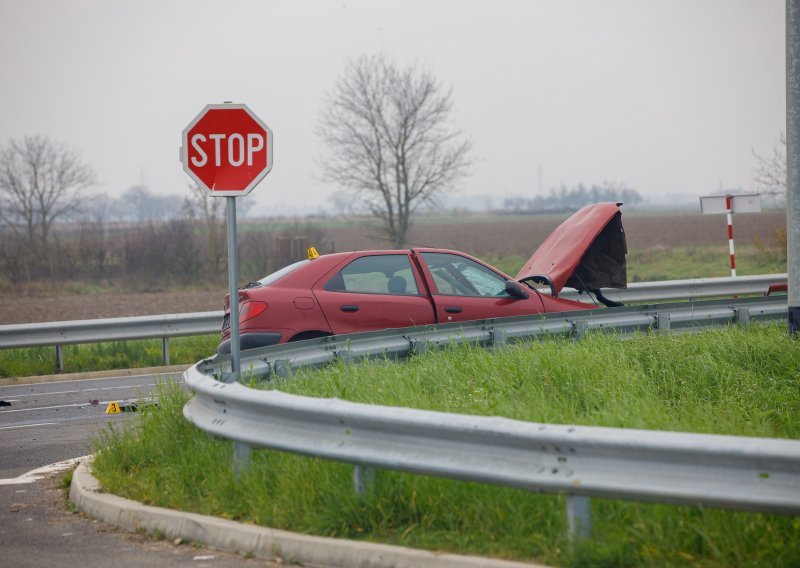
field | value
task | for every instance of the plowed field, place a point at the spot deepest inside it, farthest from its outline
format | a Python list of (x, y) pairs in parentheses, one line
[(481, 236)]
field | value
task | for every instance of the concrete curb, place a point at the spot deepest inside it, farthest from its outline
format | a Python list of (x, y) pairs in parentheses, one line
[(62, 377), (251, 540)]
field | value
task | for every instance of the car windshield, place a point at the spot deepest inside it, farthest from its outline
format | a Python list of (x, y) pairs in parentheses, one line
[(277, 275)]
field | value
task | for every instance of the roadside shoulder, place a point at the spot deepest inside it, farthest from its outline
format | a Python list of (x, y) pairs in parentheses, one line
[(63, 377)]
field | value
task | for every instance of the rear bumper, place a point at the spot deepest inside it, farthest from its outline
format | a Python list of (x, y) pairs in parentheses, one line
[(249, 341)]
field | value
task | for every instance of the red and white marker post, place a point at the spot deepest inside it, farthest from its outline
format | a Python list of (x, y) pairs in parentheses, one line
[(729, 211), (730, 204)]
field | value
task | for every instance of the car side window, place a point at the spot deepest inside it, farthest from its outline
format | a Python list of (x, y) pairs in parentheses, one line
[(455, 275), (376, 274)]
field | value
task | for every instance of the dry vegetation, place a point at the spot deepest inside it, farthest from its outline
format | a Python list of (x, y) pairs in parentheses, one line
[(266, 244)]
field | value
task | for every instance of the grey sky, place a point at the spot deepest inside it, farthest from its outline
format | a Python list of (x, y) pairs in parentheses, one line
[(667, 96)]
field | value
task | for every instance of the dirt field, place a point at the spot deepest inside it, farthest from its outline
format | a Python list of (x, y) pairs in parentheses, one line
[(46, 308), (521, 235), (479, 237)]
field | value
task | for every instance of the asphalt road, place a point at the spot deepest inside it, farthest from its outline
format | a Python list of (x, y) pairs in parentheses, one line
[(43, 424)]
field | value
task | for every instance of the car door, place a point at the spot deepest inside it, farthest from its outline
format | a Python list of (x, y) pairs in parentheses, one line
[(374, 291), (464, 289)]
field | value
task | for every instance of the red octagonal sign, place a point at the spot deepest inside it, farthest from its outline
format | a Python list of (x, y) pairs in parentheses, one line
[(227, 150)]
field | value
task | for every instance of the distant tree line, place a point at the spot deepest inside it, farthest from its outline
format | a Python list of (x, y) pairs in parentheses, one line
[(53, 229), (571, 199)]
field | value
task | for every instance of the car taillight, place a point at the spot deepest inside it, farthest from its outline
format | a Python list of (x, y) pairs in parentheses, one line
[(250, 310)]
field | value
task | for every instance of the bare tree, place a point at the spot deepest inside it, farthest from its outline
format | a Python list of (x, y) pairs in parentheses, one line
[(40, 182), (769, 172), (211, 211), (389, 140)]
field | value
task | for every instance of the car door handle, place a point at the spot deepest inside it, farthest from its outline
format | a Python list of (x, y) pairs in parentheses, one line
[(348, 308), (453, 310)]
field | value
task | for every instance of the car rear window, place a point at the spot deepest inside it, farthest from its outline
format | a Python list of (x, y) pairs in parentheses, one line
[(277, 275), (376, 274)]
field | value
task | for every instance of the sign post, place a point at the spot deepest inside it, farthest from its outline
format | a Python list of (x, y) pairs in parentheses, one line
[(227, 151), (793, 163), (728, 204)]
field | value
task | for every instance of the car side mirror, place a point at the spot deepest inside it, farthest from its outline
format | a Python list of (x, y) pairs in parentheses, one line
[(543, 279), (515, 290)]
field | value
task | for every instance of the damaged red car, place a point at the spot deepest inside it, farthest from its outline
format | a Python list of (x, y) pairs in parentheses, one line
[(351, 292)]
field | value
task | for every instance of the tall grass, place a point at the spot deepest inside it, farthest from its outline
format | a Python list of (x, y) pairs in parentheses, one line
[(741, 381)]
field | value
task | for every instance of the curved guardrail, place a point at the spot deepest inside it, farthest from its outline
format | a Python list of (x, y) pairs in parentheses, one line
[(753, 474), (750, 474)]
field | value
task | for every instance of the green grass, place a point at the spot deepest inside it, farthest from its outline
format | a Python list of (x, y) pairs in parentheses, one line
[(675, 263), (739, 381), (107, 355)]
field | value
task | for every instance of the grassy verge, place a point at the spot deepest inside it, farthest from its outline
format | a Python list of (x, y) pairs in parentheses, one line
[(734, 381), (674, 263), (101, 356)]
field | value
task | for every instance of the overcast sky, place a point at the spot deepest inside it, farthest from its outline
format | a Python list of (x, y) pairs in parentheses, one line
[(668, 96)]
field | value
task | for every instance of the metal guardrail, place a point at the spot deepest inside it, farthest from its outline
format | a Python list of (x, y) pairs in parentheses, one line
[(751, 474), (398, 343), (63, 333), (689, 289), (179, 325), (111, 329)]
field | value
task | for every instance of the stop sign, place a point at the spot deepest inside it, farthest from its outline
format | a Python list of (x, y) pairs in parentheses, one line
[(227, 149)]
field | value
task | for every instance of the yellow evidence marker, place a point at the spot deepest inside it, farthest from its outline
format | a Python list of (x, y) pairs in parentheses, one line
[(113, 408)]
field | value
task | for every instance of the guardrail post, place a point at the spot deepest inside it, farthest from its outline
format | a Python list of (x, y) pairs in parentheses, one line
[(60, 358), (241, 458), (417, 346), (499, 338), (580, 327), (579, 517), (363, 479), (165, 350), (662, 323), (283, 368), (741, 316), (345, 356)]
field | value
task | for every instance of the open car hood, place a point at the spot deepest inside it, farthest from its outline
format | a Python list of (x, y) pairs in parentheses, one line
[(585, 252)]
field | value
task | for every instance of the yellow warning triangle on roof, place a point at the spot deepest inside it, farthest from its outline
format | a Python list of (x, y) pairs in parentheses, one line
[(113, 408)]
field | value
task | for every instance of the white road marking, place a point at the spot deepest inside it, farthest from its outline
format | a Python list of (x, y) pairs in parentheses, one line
[(84, 391), (169, 374), (40, 472), (28, 425), (99, 404)]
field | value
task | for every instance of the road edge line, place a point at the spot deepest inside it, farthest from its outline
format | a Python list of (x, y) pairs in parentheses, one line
[(92, 375), (250, 540)]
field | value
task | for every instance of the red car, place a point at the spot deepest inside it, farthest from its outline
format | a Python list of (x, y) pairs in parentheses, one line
[(352, 292)]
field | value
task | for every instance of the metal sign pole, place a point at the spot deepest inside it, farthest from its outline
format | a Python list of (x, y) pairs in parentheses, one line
[(233, 286), (793, 161)]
